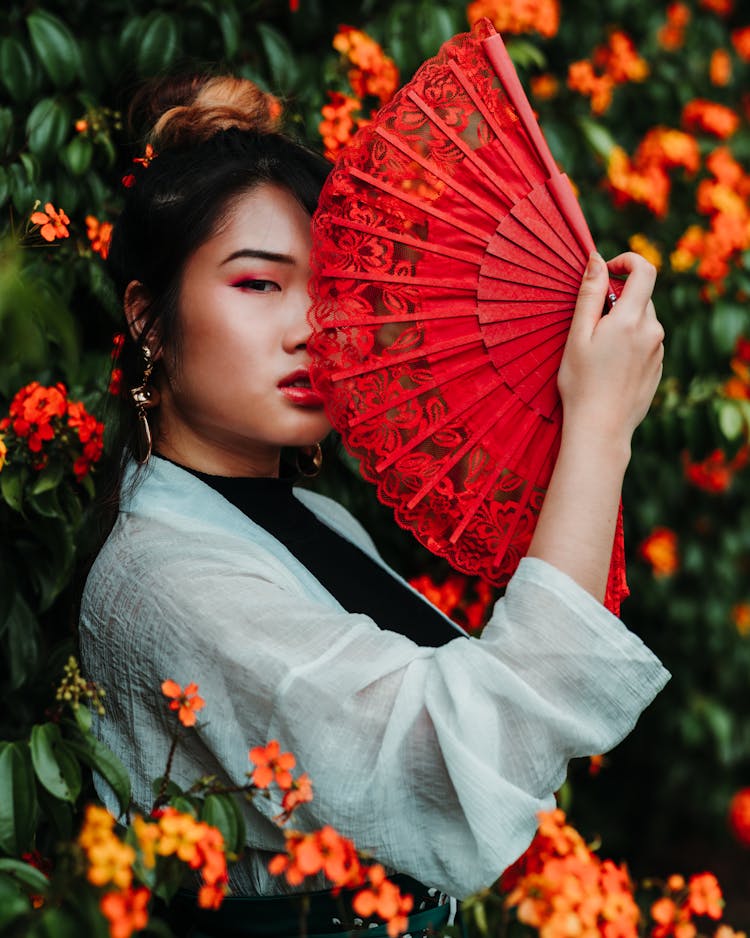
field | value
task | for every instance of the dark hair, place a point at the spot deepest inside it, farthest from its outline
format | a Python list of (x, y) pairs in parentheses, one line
[(210, 148)]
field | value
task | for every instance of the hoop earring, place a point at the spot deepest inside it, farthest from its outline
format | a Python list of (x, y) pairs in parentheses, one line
[(144, 399), (309, 460)]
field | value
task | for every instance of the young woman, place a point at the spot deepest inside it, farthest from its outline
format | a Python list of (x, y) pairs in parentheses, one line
[(432, 750)]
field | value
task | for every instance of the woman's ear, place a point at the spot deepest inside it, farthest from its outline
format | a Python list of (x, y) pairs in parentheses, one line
[(137, 302)]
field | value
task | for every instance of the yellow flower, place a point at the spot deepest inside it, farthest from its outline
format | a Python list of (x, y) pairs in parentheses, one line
[(3, 452), (641, 245)]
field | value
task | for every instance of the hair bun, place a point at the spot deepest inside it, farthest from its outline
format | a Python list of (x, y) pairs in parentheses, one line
[(179, 111)]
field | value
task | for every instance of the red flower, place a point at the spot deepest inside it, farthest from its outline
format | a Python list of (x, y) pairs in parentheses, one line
[(704, 895), (126, 911), (660, 550), (53, 222), (99, 234), (739, 816), (383, 898), (186, 702)]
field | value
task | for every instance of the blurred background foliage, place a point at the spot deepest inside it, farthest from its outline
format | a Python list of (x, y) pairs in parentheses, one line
[(615, 84)]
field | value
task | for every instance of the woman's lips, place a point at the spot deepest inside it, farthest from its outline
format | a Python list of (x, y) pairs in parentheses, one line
[(296, 388)]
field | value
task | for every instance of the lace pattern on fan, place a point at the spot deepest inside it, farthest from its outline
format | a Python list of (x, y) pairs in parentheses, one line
[(441, 271)]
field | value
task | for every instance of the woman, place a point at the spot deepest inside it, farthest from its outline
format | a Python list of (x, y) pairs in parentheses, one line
[(432, 750)]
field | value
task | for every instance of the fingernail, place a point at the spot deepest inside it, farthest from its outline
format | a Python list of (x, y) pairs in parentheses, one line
[(594, 265)]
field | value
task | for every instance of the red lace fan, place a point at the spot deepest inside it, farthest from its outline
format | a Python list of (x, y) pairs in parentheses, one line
[(448, 252)]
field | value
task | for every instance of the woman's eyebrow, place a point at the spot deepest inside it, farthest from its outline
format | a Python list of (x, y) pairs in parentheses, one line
[(262, 255)]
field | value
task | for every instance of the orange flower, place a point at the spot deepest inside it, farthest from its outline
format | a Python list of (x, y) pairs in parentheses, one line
[(660, 550), (741, 619), (704, 895), (126, 911), (517, 16), (53, 222), (741, 42), (739, 815), (384, 898), (148, 157), (3, 452), (545, 86), (186, 702), (99, 234), (323, 851), (81, 125), (373, 72), (710, 117), (689, 248), (671, 36), (338, 125), (668, 148), (720, 7), (300, 793), (720, 67), (619, 59), (273, 766), (583, 79)]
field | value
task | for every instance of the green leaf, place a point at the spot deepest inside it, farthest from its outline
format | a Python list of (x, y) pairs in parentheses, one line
[(83, 717), (13, 903), (58, 813), (25, 874), (281, 60), (4, 186), (102, 760), (230, 25), (66, 923), (597, 136), (77, 155), (159, 44), (731, 421), (222, 812), (18, 804), (728, 322), (16, 69), (55, 766), (11, 488), (55, 47), (48, 478), (21, 642), (48, 127)]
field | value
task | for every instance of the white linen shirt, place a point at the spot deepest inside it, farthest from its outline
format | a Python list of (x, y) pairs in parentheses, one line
[(435, 760)]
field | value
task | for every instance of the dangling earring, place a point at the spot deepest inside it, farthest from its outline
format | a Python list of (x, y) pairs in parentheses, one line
[(144, 399), (309, 460)]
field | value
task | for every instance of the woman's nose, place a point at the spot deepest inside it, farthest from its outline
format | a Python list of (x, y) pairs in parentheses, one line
[(298, 330)]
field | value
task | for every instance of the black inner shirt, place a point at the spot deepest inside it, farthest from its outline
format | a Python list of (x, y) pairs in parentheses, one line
[(359, 583)]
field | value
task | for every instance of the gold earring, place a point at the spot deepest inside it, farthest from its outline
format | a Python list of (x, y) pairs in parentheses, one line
[(144, 399), (309, 460)]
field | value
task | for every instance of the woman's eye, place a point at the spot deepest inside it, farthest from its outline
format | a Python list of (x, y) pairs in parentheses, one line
[(259, 286)]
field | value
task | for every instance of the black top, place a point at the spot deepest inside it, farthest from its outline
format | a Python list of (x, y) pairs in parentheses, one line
[(358, 582)]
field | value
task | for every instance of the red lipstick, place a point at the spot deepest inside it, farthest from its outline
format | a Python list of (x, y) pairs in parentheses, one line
[(296, 388)]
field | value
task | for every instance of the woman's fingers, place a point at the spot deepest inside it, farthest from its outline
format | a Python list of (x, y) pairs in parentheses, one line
[(636, 294), (591, 296)]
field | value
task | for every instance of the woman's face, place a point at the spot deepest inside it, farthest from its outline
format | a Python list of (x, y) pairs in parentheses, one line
[(240, 389)]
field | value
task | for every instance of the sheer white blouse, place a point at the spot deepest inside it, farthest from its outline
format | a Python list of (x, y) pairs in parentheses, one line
[(436, 760)]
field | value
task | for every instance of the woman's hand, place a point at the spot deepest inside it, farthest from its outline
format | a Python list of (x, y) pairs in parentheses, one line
[(612, 364), (610, 370)]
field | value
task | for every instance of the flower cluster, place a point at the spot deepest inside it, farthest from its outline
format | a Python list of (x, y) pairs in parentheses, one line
[(99, 234), (644, 178), (75, 687), (372, 73), (611, 64), (518, 16), (561, 887), (43, 425), (340, 122), (681, 901), (715, 473), (659, 549), (274, 766), (741, 618), (724, 198), (53, 223), (466, 602), (671, 35), (110, 861), (326, 851)]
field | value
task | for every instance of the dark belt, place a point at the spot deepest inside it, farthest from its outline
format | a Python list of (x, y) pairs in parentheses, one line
[(288, 916)]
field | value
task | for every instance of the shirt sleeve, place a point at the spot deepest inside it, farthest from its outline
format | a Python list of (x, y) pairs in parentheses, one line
[(436, 761)]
